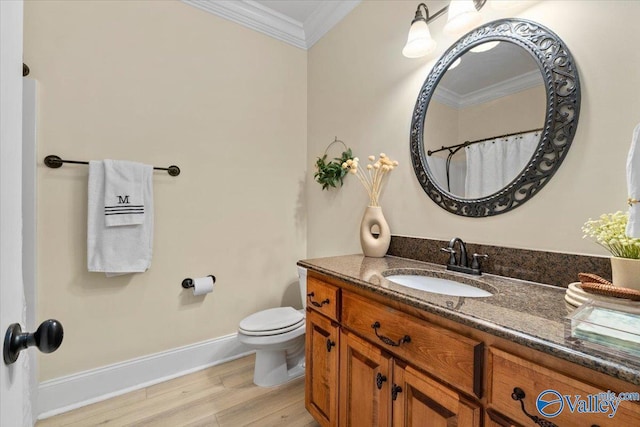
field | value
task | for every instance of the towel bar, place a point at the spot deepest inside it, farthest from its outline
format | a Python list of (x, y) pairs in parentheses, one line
[(55, 162)]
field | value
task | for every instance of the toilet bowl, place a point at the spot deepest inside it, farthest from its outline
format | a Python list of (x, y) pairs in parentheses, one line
[(277, 335)]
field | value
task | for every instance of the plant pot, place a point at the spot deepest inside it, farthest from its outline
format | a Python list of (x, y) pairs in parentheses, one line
[(625, 272), (372, 245)]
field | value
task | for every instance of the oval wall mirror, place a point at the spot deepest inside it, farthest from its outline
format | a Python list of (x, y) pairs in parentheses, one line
[(495, 118)]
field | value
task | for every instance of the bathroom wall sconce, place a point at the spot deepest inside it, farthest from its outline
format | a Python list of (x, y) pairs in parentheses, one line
[(462, 15)]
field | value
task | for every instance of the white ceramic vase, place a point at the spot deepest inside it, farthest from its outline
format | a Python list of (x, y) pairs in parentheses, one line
[(625, 272), (373, 246)]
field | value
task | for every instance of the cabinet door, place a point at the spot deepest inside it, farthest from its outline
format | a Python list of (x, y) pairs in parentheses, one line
[(421, 401), (322, 357), (496, 419), (559, 391), (365, 373)]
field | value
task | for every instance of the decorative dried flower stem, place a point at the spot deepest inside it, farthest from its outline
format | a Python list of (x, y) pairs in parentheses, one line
[(374, 178)]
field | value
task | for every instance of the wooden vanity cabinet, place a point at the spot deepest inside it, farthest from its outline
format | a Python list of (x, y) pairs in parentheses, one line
[(323, 298), (446, 355), (419, 400), (321, 368), (322, 351), (509, 371), (379, 390), (496, 419), (374, 385), (376, 363), (365, 375)]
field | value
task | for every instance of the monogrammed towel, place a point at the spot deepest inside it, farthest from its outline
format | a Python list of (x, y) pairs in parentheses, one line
[(118, 249), (123, 192)]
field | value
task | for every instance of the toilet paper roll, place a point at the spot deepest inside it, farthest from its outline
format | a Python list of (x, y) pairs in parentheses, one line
[(202, 285)]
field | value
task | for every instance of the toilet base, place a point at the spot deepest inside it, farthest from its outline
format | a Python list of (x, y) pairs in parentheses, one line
[(274, 367)]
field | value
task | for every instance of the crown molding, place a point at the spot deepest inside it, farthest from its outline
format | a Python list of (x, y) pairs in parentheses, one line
[(489, 93), (325, 17), (255, 16), (447, 97)]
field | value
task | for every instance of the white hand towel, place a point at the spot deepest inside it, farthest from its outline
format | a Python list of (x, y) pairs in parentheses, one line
[(117, 250), (123, 193), (633, 184)]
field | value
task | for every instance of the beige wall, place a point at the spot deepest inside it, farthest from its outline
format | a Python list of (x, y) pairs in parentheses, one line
[(443, 124), (518, 112), (164, 83), (362, 89)]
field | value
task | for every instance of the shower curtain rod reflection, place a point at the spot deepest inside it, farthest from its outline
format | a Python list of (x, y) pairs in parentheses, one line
[(55, 162), (455, 148)]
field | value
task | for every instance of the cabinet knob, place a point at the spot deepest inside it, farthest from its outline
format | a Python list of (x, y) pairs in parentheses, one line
[(395, 390), (330, 344), (380, 379)]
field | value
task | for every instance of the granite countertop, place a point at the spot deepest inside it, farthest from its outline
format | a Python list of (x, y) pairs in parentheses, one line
[(527, 313)]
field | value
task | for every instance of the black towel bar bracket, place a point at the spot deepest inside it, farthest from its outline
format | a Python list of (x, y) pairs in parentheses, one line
[(188, 282), (55, 162)]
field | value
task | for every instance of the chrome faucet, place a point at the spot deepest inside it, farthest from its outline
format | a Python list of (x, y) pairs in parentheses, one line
[(461, 264)]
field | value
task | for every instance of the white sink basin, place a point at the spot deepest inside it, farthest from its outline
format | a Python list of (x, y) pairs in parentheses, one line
[(438, 285)]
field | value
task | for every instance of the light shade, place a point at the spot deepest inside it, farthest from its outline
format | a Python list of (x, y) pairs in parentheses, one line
[(419, 41), (462, 16)]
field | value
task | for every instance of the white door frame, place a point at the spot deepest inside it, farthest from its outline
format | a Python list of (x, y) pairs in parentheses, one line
[(15, 401)]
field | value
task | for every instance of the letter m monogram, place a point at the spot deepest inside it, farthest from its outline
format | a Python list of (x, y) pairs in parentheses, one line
[(123, 199)]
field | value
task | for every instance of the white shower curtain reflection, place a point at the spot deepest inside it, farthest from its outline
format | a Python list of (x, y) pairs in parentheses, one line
[(457, 170), (493, 164)]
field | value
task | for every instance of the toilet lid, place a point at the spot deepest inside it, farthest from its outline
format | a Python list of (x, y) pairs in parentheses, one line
[(272, 321)]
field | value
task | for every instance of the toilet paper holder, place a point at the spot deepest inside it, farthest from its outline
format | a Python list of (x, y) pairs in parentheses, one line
[(188, 282)]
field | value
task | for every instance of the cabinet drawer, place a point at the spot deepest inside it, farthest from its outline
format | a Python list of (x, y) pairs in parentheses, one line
[(507, 371), (323, 297), (444, 354)]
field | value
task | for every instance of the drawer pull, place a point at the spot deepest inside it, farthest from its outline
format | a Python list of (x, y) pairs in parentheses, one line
[(330, 344), (395, 390), (388, 340), (316, 303), (518, 394), (380, 379)]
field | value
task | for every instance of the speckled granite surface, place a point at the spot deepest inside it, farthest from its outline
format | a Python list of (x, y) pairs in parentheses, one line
[(553, 268), (530, 314)]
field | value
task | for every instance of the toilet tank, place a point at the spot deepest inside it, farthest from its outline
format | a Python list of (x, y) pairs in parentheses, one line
[(302, 279)]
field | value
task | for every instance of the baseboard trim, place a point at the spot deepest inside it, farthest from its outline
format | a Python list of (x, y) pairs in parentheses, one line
[(84, 388)]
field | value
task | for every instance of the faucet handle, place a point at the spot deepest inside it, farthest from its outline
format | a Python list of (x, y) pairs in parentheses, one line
[(475, 263), (452, 255)]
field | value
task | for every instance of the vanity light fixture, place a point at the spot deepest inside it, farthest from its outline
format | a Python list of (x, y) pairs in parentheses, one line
[(419, 41), (463, 15)]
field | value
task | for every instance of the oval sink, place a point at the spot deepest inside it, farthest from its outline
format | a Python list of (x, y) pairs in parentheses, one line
[(438, 285)]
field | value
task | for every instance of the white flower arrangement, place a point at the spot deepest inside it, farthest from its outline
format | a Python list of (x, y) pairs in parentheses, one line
[(609, 231), (374, 178)]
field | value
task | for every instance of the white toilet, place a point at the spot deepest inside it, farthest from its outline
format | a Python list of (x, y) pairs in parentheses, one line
[(277, 334)]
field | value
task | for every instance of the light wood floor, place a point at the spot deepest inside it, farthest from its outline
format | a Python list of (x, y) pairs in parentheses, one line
[(223, 395)]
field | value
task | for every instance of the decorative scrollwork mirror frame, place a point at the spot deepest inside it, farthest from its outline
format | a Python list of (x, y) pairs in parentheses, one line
[(562, 86)]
